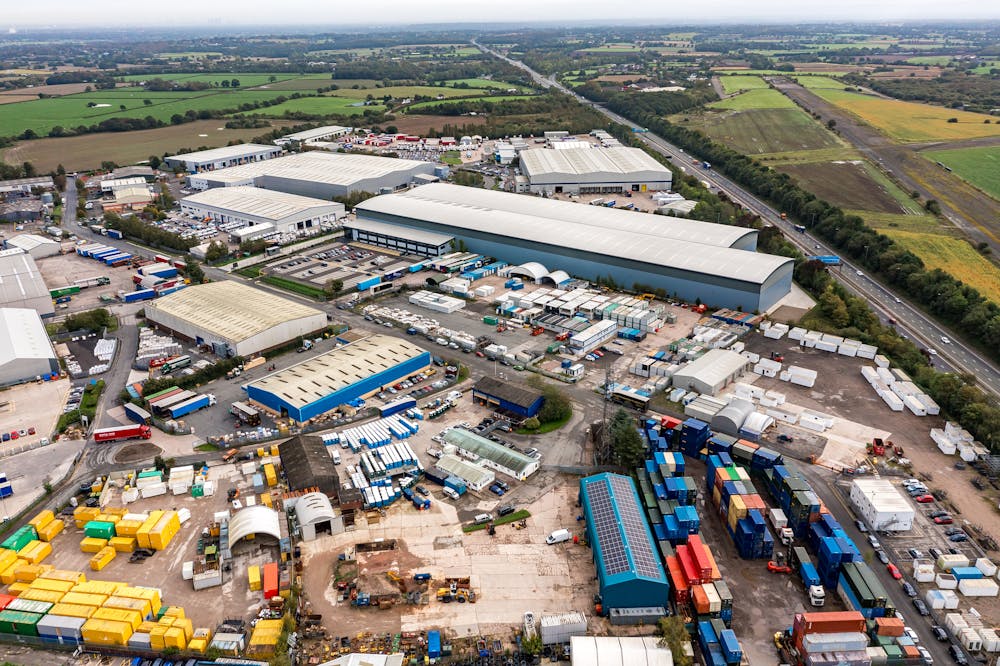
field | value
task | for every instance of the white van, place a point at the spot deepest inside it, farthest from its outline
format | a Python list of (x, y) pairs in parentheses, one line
[(450, 493), (558, 537), (483, 518), (336, 457)]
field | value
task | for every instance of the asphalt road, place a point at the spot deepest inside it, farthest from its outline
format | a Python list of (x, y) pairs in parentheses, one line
[(911, 321)]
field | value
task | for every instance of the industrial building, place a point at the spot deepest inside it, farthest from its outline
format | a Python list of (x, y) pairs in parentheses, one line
[(234, 319), (711, 372), (694, 260), (222, 158), (25, 351), (591, 170), (21, 284), (35, 245), (317, 134), (262, 212), (308, 466), (324, 382), (474, 476), (882, 505), (490, 454), (408, 241), (619, 651), (22, 186), (506, 397), (629, 572), (319, 174), (316, 515)]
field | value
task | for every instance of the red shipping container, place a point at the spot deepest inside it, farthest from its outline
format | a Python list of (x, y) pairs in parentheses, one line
[(889, 626), (697, 551), (669, 422), (910, 651), (828, 623), (270, 580), (5, 599), (716, 574), (688, 567), (678, 585), (748, 444)]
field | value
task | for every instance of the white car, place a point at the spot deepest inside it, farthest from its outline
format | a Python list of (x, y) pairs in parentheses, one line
[(860, 274), (928, 659), (912, 634), (945, 340), (932, 352)]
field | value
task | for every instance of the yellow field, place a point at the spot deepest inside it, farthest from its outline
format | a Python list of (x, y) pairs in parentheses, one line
[(912, 122), (953, 255)]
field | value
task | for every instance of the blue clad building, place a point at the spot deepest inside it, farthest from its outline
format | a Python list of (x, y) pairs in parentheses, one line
[(326, 381), (507, 397), (629, 571)]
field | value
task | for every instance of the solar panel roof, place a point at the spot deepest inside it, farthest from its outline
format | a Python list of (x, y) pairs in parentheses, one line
[(620, 528)]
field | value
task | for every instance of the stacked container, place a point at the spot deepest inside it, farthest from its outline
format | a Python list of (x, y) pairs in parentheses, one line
[(862, 591)]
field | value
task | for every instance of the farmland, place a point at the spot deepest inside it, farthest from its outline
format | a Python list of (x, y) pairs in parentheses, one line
[(735, 83), (955, 256), (911, 122), (247, 80), (78, 153), (978, 166), (318, 106), (845, 184), (398, 92), (488, 98), (764, 98), (761, 131)]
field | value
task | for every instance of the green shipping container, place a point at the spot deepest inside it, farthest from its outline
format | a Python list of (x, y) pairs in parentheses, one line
[(198, 491), (20, 538), (98, 529), (553, 348), (19, 622), (492, 321), (152, 474), (63, 291)]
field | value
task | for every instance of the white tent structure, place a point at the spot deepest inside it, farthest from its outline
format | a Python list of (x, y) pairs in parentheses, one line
[(315, 515), (254, 520)]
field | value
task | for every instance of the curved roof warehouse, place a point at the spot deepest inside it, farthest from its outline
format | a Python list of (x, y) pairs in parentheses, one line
[(713, 262)]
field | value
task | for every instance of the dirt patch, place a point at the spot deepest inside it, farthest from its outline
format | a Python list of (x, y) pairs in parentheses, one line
[(844, 184), (134, 453), (421, 125), (915, 72)]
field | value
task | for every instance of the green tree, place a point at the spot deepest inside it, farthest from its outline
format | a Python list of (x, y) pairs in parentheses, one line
[(532, 644), (122, 107), (555, 405), (155, 161), (194, 272), (333, 287), (216, 250), (627, 447), (235, 83), (673, 636), (833, 308), (147, 102), (531, 423)]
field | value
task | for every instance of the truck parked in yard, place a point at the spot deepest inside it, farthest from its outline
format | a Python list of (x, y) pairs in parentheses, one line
[(119, 433), (137, 414), (809, 576), (192, 405)]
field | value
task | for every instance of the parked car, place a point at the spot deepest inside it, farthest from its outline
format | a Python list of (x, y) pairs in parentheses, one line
[(937, 514), (957, 655), (894, 571), (924, 499), (944, 520), (861, 526), (939, 633), (873, 542), (914, 553), (909, 590), (882, 557), (958, 538), (952, 530), (935, 552), (506, 510), (497, 490), (925, 654), (423, 491), (921, 607)]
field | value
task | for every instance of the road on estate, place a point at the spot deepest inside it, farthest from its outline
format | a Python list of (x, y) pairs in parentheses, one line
[(910, 320)]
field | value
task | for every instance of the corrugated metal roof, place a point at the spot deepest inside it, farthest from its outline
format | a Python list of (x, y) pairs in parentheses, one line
[(484, 448), (396, 231), (23, 336), (28, 242), (319, 167), (316, 133), (19, 277), (713, 368), (225, 152), (697, 247), (255, 201), (464, 470), (306, 382), (229, 309), (579, 161)]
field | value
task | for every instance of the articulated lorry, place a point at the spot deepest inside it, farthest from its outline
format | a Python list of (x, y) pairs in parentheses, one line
[(809, 576), (118, 433)]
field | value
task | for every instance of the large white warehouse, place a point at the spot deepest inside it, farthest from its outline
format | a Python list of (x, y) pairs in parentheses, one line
[(35, 245), (25, 350), (223, 158), (712, 372), (233, 318), (319, 174), (266, 210), (593, 170), (21, 284), (881, 505)]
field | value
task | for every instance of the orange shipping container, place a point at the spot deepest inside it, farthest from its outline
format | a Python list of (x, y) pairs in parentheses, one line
[(889, 626), (716, 575), (700, 599)]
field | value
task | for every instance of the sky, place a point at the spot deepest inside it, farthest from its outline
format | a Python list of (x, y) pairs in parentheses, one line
[(323, 14)]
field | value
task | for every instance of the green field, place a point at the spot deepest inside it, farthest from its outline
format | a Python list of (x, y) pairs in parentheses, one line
[(734, 83), (921, 224), (488, 98), (929, 60), (820, 83), (247, 80), (487, 84), (612, 48), (317, 106), (955, 256), (755, 99), (193, 55), (766, 131), (399, 92), (978, 166)]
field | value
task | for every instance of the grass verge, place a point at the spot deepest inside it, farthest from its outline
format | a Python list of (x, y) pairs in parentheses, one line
[(505, 520), (295, 287), (545, 427)]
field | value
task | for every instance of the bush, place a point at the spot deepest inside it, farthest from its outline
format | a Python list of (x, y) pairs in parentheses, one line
[(91, 320)]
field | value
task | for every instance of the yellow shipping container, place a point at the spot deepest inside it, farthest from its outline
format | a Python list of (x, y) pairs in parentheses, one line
[(185, 625), (265, 499), (141, 605), (142, 534), (106, 632), (92, 544), (108, 518), (103, 587), (274, 450), (28, 573), (122, 544), (49, 596), (9, 575), (49, 532), (261, 452), (149, 593), (166, 621), (174, 611), (103, 558), (74, 577), (270, 475), (127, 528), (42, 519), (253, 575), (85, 599), (72, 610), (131, 617), (35, 552), (199, 645), (174, 638), (164, 531), (156, 634), (40, 583), (145, 627), (7, 558), (115, 511), (15, 589)]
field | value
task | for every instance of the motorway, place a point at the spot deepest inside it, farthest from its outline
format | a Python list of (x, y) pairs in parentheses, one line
[(954, 356)]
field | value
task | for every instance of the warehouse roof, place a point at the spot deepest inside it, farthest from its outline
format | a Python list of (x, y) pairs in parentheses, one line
[(229, 309), (19, 277), (697, 247), (20, 183), (315, 133), (268, 204), (257, 519), (522, 396), (623, 545), (313, 508), (225, 152), (714, 367), (396, 231), (882, 494), (579, 161), (307, 465), (23, 336), (464, 470), (619, 651), (319, 167), (306, 382), (29, 242), (497, 453)]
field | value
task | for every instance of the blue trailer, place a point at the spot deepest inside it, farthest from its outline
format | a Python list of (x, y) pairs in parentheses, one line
[(137, 414), (455, 484), (397, 406), (369, 283), (433, 643), (114, 233), (828, 259), (161, 272), (140, 295), (170, 290), (5, 488), (192, 405), (101, 254)]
